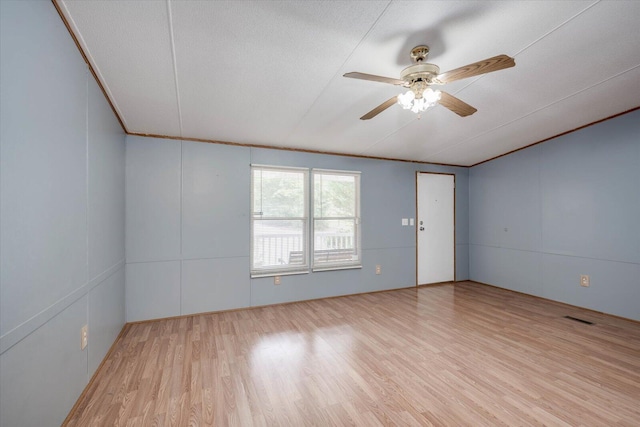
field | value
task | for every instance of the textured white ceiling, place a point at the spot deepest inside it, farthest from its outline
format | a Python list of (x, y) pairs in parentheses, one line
[(270, 72)]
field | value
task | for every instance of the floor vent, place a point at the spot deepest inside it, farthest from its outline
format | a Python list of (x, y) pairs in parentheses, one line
[(579, 320)]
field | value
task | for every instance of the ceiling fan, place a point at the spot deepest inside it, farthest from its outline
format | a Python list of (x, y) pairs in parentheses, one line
[(419, 78)]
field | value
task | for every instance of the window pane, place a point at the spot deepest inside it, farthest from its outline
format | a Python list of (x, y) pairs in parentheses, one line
[(281, 193), (335, 241), (334, 195), (278, 243)]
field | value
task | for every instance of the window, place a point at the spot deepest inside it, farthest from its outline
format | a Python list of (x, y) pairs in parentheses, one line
[(336, 219), (279, 220), (280, 227)]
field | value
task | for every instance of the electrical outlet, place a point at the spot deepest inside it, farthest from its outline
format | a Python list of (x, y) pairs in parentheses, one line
[(378, 269), (84, 337), (276, 280), (584, 280)]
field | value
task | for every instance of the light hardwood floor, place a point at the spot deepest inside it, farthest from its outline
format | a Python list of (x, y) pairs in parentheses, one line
[(450, 355)]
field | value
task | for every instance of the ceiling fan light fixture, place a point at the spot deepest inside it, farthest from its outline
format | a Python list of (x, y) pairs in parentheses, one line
[(431, 96), (409, 100), (406, 99)]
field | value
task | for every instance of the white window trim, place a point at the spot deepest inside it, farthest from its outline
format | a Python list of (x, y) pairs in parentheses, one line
[(279, 271), (309, 220), (340, 265), (336, 171)]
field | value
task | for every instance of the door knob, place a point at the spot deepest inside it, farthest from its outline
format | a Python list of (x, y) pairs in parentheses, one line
[(421, 228)]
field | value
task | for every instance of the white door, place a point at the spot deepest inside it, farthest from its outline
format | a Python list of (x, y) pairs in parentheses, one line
[(435, 228)]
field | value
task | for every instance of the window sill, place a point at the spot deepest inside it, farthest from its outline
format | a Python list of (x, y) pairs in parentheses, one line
[(336, 267), (277, 273), (313, 270)]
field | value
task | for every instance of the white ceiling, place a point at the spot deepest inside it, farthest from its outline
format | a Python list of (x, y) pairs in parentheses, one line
[(270, 72)]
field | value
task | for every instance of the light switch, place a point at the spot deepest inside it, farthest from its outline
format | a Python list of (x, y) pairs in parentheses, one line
[(405, 221), (411, 221)]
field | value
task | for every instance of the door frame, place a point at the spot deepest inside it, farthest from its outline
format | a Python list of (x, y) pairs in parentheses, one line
[(454, 226)]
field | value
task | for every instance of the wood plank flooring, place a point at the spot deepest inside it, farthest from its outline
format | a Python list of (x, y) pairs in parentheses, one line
[(451, 355)]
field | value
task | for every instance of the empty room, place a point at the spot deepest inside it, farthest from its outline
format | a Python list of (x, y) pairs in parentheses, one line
[(290, 213)]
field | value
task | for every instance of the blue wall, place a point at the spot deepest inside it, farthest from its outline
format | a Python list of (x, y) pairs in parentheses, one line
[(62, 159), (541, 217), (531, 221), (188, 228)]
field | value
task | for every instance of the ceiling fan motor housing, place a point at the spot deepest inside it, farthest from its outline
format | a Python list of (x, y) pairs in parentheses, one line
[(420, 72)]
